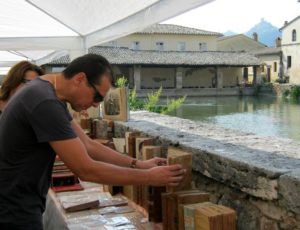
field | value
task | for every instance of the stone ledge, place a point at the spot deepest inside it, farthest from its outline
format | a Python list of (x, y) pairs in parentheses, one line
[(245, 161), (289, 190)]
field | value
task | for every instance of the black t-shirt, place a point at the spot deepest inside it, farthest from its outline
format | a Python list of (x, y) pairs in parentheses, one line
[(32, 118)]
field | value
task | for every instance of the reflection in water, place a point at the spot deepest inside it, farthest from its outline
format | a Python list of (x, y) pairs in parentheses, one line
[(261, 115)]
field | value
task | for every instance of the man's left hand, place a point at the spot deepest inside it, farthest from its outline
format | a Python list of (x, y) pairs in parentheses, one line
[(156, 161)]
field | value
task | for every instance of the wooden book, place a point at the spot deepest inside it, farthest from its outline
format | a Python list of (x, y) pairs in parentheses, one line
[(130, 142), (151, 151), (207, 218), (115, 105), (79, 202), (168, 208), (119, 144), (154, 205), (177, 156), (228, 217), (189, 214), (188, 198), (171, 206), (139, 143)]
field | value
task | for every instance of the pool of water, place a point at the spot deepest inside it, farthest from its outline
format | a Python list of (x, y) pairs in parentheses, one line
[(266, 116)]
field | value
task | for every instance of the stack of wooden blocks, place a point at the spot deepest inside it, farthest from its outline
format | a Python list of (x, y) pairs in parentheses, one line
[(187, 208)]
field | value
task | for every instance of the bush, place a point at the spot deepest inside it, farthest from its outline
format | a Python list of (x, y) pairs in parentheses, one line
[(150, 104), (295, 92), (286, 93)]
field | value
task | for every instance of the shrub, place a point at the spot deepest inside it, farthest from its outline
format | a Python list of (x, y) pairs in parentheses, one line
[(150, 104)]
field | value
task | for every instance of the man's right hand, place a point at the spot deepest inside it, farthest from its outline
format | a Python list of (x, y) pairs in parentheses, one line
[(170, 175)]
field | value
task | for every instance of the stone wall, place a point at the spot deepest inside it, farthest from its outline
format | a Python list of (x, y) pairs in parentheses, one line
[(257, 176)]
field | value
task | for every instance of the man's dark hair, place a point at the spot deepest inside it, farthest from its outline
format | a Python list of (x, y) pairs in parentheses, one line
[(93, 65)]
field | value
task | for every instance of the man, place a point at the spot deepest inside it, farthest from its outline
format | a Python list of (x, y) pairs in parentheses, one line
[(36, 125)]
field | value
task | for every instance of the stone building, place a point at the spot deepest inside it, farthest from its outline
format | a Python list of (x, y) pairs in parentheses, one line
[(180, 59), (291, 50)]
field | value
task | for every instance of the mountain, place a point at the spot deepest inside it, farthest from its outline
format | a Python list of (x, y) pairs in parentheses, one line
[(229, 33), (267, 33)]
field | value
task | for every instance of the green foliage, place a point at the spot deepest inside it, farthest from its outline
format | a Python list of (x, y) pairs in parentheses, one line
[(286, 93), (295, 92), (134, 103), (150, 104), (121, 82), (173, 105), (152, 99)]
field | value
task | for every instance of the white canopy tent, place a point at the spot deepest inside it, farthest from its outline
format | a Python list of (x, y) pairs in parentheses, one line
[(41, 30)]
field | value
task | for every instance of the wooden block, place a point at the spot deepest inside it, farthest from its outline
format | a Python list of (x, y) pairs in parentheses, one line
[(151, 151), (110, 124), (139, 143), (177, 156), (119, 144), (168, 209), (228, 217), (170, 206), (155, 203), (189, 214), (130, 142), (188, 198), (206, 218)]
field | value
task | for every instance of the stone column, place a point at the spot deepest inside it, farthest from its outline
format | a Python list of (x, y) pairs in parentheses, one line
[(219, 78), (137, 76), (179, 74), (254, 75)]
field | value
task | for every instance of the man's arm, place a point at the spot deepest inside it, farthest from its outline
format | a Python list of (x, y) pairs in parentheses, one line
[(73, 153), (99, 152)]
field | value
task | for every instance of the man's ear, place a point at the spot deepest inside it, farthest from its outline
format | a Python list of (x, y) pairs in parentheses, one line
[(79, 78)]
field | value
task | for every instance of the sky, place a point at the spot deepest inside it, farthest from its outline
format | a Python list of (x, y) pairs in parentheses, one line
[(238, 15)]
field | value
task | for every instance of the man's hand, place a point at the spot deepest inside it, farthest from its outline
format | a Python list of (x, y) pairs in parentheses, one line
[(156, 161), (170, 175)]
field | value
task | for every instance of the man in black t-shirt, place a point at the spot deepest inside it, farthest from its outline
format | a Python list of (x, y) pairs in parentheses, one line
[(36, 125)]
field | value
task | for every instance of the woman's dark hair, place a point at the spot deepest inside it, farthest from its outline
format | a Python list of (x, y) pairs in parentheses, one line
[(15, 77), (93, 65)]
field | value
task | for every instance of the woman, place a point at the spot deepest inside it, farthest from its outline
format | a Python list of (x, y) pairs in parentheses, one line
[(17, 76)]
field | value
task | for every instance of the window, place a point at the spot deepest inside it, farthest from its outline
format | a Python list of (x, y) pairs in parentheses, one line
[(181, 46), (289, 61), (136, 45), (159, 46), (202, 46), (113, 44), (275, 67), (294, 36)]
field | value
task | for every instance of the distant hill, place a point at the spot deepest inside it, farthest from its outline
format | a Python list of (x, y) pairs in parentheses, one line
[(267, 33)]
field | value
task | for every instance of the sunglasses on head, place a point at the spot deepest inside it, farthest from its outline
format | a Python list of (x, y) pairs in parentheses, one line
[(97, 96)]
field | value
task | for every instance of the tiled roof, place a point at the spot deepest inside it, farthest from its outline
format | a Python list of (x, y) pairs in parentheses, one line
[(175, 29), (127, 56), (267, 51), (197, 58)]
